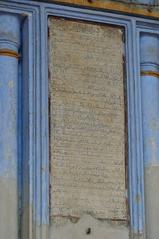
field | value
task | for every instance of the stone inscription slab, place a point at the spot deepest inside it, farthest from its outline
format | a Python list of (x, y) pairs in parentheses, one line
[(87, 120)]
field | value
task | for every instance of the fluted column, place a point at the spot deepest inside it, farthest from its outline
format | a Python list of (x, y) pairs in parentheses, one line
[(149, 52), (9, 47)]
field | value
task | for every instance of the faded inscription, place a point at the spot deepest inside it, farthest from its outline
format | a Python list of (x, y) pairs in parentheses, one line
[(87, 123)]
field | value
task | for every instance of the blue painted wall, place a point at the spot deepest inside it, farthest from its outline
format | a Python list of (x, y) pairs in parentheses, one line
[(9, 71)]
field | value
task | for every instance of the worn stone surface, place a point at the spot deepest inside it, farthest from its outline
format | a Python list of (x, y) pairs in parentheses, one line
[(8, 208), (152, 200), (87, 120), (88, 227), (145, 2)]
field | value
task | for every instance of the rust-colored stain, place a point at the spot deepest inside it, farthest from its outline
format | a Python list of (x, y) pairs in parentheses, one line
[(150, 73), (131, 8), (8, 52)]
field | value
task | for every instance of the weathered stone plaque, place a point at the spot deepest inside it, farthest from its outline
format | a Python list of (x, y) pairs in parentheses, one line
[(87, 120)]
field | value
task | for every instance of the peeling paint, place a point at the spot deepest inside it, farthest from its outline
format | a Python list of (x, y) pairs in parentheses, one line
[(8, 208), (87, 225)]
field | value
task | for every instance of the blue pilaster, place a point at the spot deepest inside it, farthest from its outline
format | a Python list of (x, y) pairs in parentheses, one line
[(9, 47), (145, 1), (149, 56)]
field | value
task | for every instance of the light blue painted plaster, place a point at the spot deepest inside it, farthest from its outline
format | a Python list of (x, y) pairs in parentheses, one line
[(149, 52), (150, 96), (8, 112), (9, 40), (145, 1), (149, 59), (9, 31)]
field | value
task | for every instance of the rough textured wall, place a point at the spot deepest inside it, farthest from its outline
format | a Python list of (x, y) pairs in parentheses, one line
[(87, 120), (140, 2), (151, 2)]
